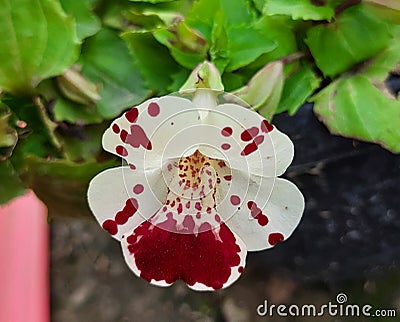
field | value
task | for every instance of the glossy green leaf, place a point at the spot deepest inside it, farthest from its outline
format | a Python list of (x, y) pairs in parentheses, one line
[(153, 59), (38, 41), (355, 36), (87, 23), (10, 184), (246, 45), (106, 60), (205, 13), (219, 48), (378, 67), (298, 9), (353, 107), (298, 88), (280, 29)]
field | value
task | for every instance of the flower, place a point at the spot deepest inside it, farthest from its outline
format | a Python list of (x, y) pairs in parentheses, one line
[(198, 191)]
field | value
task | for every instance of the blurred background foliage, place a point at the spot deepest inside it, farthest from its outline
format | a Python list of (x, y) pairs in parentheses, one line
[(69, 67)]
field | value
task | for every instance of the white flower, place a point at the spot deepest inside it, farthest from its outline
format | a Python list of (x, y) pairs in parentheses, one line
[(199, 189)]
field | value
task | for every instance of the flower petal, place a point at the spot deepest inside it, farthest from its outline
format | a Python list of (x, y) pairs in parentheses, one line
[(247, 138), (141, 134), (260, 221), (121, 199), (209, 260)]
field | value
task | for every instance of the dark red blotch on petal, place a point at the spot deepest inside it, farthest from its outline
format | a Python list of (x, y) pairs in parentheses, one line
[(136, 138), (266, 126), (132, 115), (162, 255), (128, 211), (275, 238), (111, 226)]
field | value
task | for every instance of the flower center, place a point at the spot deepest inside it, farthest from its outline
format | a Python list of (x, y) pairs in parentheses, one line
[(197, 184)]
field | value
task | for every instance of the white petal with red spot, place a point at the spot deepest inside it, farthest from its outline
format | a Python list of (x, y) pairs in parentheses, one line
[(122, 200), (262, 220)]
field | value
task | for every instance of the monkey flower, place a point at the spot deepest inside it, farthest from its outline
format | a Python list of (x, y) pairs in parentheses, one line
[(197, 191)]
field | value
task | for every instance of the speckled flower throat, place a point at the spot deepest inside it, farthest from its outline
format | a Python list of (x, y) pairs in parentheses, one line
[(197, 191)]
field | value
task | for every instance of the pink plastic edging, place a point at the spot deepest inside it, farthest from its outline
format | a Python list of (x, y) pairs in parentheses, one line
[(24, 273)]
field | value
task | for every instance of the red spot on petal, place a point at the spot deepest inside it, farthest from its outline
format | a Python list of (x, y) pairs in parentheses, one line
[(249, 148), (116, 128), (266, 126), (128, 211), (121, 151), (240, 269), (123, 135), (228, 177), (259, 139), (235, 200), (180, 208), (132, 166), (110, 226), (221, 164), (275, 238), (162, 255), (248, 134), (257, 213), (132, 115), (225, 146), (198, 205), (153, 109), (137, 138), (226, 131), (138, 188), (262, 220)]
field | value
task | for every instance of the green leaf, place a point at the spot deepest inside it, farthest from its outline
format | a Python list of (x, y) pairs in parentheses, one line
[(65, 110), (38, 136), (87, 23), (298, 9), (188, 47), (178, 79), (10, 185), (355, 36), (205, 13), (153, 59), (298, 88), (378, 68), (85, 144), (62, 185), (246, 45), (353, 107), (152, 1), (280, 30), (106, 60), (219, 48), (39, 41), (8, 134)]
